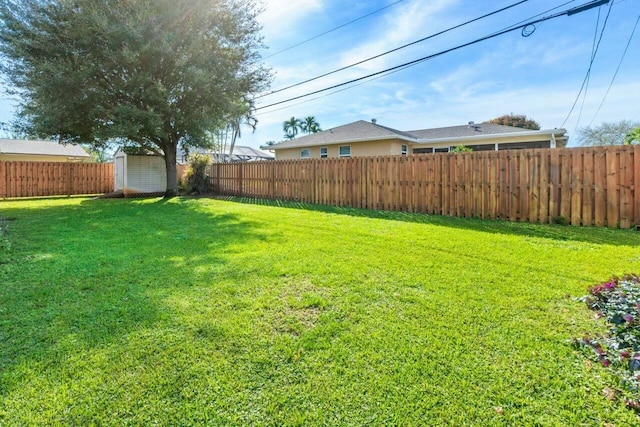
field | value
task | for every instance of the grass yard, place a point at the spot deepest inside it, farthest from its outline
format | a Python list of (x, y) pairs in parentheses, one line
[(225, 312)]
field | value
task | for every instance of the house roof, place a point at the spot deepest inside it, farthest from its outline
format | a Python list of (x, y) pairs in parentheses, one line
[(356, 131), (43, 148), (368, 131), (465, 131), (240, 150)]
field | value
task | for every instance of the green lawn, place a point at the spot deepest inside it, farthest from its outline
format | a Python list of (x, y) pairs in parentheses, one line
[(199, 311)]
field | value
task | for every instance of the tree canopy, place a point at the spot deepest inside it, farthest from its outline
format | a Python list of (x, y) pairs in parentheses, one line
[(633, 137), (310, 125), (293, 126), (153, 74), (516, 120), (608, 133)]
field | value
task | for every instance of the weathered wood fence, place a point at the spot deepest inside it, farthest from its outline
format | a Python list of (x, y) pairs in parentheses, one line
[(34, 179), (597, 186)]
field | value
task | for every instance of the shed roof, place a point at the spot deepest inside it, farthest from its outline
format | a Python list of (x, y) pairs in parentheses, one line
[(43, 148)]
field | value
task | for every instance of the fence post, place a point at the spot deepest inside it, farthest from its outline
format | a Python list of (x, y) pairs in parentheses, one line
[(69, 178), (273, 180), (3, 176), (314, 183), (636, 184)]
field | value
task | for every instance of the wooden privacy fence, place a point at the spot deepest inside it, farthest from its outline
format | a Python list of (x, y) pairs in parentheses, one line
[(583, 186), (34, 179)]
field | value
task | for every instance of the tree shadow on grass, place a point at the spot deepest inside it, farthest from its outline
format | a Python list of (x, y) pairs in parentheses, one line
[(86, 274), (601, 236)]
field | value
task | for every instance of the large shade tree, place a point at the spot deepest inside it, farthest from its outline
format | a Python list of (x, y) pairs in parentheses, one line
[(151, 73)]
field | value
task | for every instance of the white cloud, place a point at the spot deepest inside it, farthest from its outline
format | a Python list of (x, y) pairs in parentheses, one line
[(399, 26), (279, 16)]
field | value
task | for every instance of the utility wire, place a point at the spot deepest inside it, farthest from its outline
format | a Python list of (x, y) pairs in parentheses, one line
[(593, 54), (516, 25), (567, 12), (333, 29), (593, 57), (392, 50), (616, 73)]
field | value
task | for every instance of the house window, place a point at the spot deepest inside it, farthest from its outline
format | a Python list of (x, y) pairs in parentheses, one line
[(345, 151), (403, 150), (441, 150), (305, 153), (324, 153), (422, 150)]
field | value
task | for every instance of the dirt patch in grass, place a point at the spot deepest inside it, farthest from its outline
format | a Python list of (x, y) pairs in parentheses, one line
[(298, 308)]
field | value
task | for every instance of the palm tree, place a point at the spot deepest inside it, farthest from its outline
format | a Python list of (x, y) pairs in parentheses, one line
[(310, 125), (230, 132), (291, 127)]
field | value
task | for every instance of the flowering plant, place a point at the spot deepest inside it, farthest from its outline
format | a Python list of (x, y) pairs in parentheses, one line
[(618, 302)]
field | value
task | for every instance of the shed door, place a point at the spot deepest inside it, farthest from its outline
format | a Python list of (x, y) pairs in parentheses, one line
[(119, 173)]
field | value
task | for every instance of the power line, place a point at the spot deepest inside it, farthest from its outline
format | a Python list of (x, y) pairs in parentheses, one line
[(392, 50), (333, 29), (593, 57), (334, 92), (593, 54), (616, 73), (516, 25), (567, 12)]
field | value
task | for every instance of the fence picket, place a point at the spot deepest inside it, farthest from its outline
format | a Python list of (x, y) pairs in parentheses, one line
[(589, 186), (38, 179)]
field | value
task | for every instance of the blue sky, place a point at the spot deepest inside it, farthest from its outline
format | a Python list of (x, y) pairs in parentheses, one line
[(539, 75)]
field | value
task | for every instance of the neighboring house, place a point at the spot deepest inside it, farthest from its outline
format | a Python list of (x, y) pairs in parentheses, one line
[(363, 138), (41, 151), (240, 154)]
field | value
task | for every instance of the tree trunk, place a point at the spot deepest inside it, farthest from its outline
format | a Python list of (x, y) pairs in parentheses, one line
[(170, 163)]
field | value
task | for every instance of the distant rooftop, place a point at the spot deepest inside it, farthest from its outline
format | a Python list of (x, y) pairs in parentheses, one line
[(241, 153), (44, 148)]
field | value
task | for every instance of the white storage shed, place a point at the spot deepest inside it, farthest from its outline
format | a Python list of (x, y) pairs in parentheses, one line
[(139, 174)]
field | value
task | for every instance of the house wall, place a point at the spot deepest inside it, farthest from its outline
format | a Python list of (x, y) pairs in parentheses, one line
[(394, 146), (358, 149), (6, 157)]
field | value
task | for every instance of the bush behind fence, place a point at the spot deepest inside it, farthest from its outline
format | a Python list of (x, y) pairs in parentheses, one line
[(595, 186)]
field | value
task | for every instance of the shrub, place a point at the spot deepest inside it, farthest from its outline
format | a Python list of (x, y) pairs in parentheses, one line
[(560, 220), (196, 179), (618, 302), (461, 149)]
